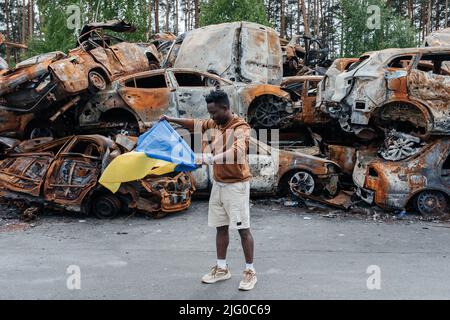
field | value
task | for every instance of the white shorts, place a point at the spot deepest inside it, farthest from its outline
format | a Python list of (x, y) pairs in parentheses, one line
[(229, 205)]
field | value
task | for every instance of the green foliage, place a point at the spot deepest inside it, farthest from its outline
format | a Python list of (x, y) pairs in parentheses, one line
[(357, 37), (219, 11), (55, 35)]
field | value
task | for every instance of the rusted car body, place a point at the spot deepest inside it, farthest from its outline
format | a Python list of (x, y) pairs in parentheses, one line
[(403, 89), (138, 101), (306, 87), (243, 52), (64, 173), (438, 38), (37, 88), (303, 55), (421, 181), (326, 87), (282, 172)]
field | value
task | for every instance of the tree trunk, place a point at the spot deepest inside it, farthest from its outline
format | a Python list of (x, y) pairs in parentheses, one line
[(282, 20), (438, 16), (175, 27), (428, 25), (30, 18), (196, 14), (305, 18), (410, 10), (167, 15), (156, 16), (446, 13), (7, 36), (150, 31)]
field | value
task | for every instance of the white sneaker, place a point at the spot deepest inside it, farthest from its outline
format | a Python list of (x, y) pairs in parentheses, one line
[(216, 274), (248, 280)]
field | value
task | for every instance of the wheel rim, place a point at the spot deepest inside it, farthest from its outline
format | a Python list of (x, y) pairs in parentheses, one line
[(105, 207), (40, 133), (269, 113), (302, 182), (431, 202), (97, 80)]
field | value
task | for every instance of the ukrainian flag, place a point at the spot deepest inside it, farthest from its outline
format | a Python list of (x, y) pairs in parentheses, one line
[(159, 151)]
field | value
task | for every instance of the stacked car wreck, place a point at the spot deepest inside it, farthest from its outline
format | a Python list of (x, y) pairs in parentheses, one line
[(377, 126)]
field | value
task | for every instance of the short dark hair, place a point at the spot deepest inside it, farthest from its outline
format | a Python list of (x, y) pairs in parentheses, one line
[(219, 97)]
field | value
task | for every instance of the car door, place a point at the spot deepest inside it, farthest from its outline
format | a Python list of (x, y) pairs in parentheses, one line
[(74, 172), (149, 95), (263, 167), (25, 171), (396, 75), (191, 89)]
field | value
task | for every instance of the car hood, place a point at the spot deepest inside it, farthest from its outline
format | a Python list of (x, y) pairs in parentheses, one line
[(113, 25)]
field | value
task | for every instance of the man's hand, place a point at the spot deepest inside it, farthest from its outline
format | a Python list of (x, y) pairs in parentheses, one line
[(164, 117), (204, 159)]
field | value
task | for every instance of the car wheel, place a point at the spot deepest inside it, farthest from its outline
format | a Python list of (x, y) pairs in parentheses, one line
[(96, 82), (431, 203), (269, 112), (302, 182), (41, 132), (106, 206)]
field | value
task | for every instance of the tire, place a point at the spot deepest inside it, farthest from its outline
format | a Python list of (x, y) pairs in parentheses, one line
[(106, 206), (268, 112), (40, 131), (431, 203), (97, 82), (286, 188)]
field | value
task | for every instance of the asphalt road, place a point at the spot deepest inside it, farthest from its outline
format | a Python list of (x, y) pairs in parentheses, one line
[(299, 254)]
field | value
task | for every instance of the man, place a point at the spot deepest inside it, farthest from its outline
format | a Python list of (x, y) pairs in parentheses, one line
[(229, 203)]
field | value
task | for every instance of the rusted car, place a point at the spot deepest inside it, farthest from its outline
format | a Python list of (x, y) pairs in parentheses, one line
[(40, 91), (133, 103), (243, 52), (64, 173), (403, 89), (304, 55), (438, 38), (306, 87), (421, 182), (280, 172)]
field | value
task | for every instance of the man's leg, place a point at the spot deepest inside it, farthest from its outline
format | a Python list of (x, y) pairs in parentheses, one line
[(222, 241), (247, 244)]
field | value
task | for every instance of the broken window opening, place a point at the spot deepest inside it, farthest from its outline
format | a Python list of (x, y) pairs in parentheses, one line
[(312, 88), (446, 165), (401, 62), (438, 64), (357, 63), (152, 82), (87, 148), (189, 79)]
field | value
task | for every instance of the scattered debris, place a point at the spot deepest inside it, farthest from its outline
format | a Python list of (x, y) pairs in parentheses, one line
[(30, 214)]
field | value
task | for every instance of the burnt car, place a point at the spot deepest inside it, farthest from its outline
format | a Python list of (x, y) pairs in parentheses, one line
[(38, 92), (403, 89), (281, 172), (307, 87), (421, 182), (135, 102), (438, 38), (64, 173), (245, 52), (304, 55)]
